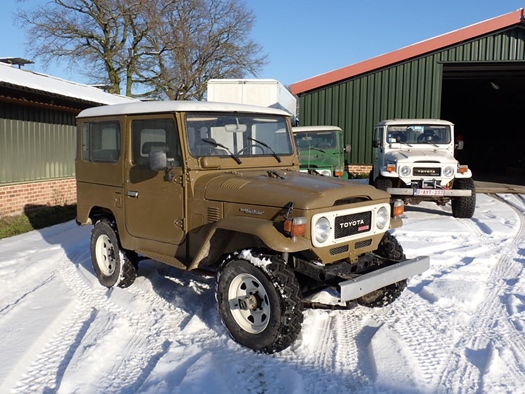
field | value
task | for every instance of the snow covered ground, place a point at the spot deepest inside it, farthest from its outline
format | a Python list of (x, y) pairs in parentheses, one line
[(458, 328)]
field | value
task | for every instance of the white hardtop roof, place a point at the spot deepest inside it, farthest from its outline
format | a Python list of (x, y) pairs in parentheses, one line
[(415, 121), (298, 129), (155, 107), (46, 83)]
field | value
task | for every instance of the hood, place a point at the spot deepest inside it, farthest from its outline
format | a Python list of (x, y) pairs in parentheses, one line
[(277, 188), (409, 156)]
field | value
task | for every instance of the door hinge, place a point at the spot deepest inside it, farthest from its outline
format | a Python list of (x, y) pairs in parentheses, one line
[(179, 223)]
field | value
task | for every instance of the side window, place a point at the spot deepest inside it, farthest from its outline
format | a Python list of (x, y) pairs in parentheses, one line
[(150, 134), (101, 141)]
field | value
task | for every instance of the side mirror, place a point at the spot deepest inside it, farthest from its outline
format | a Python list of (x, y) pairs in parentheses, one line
[(158, 160), (347, 148), (375, 144), (459, 145)]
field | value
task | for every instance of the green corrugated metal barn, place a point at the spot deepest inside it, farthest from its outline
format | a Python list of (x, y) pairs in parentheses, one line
[(474, 77)]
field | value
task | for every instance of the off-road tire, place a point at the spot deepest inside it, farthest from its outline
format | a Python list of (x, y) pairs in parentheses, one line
[(274, 322), (390, 249), (371, 177), (464, 207), (112, 266), (382, 183)]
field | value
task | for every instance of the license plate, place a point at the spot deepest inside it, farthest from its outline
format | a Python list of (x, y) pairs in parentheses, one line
[(429, 192)]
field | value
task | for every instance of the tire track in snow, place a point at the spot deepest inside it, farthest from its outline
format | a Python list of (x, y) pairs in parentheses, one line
[(419, 326), (484, 337), (47, 369), (336, 360), (420, 329), (151, 334)]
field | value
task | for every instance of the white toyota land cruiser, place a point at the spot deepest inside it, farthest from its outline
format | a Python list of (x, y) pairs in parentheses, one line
[(414, 161)]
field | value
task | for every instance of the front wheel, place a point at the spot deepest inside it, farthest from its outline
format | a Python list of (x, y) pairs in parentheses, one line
[(261, 307), (390, 249), (110, 263), (463, 207)]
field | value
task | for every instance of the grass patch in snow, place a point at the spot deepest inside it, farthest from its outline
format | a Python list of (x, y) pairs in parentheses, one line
[(35, 219)]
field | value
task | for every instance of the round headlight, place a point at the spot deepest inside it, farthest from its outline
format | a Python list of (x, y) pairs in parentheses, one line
[(382, 218), (405, 171), (322, 229), (448, 171)]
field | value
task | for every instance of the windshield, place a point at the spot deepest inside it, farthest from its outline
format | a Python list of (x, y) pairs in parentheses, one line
[(316, 140), (244, 135), (418, 134)]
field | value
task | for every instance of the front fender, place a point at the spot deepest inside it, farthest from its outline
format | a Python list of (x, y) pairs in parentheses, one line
[(263, 229)]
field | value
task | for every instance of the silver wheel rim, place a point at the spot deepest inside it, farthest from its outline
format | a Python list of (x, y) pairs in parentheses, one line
[(249, 303), (105, 255)]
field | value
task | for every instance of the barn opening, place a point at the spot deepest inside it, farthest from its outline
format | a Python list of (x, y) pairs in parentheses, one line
[(486, 101)]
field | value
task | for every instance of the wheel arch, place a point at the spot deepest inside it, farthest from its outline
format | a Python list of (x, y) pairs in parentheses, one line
[(234, 233)]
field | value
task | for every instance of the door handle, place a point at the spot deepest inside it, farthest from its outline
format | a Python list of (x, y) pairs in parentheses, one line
[(133, 193)]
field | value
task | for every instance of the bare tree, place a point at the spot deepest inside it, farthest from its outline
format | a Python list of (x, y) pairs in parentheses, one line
[(155, 48)]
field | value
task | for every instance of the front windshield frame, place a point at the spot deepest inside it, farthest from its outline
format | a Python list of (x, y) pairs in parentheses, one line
[(224, 134), (418, 134)]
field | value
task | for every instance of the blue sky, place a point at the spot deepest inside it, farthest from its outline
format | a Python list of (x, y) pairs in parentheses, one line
[(305, 38)]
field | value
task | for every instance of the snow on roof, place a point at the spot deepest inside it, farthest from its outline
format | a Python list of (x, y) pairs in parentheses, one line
[(46, 83), (175, 106)]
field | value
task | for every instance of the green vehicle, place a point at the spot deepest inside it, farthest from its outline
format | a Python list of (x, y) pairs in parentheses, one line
[(321, 150)]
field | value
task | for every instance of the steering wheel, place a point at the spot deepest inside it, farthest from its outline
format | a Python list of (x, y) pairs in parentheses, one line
[(248, 147)]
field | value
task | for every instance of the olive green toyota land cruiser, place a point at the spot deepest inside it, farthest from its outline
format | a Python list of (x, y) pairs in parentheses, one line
[(216, 187)]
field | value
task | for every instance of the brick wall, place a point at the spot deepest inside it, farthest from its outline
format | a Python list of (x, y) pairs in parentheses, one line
[(359, 168), (15, 198)]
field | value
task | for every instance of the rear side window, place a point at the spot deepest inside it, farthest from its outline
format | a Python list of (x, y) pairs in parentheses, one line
[(101, 141)]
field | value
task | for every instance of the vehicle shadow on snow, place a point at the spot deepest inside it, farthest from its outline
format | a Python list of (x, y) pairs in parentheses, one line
[(192, 292), (421, 209)]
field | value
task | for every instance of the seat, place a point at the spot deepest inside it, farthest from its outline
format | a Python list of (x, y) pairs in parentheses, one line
[(428, 137)]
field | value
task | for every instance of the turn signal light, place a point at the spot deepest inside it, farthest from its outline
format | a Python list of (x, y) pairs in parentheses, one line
[(295, 226), (391, 167), (338, 173), (462, 169), (398, 208)]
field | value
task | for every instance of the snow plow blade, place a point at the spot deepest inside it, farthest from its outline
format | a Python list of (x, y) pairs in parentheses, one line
[(367, 283)]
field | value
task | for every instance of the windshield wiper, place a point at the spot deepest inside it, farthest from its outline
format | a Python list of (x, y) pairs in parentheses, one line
[(317, 149), (216, 144), (266, 146)]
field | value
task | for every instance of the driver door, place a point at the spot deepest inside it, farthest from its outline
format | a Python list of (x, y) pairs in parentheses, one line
[(154, 200)]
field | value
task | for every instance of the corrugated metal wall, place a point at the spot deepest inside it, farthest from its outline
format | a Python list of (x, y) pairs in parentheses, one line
[(408, 90), (35, 144)]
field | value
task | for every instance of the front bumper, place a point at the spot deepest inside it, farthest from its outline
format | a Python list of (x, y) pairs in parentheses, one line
[(367, 283), (400, 191)]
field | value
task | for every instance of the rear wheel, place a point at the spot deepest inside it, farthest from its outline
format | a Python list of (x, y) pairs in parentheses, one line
[(111, 265), (464, 207), (390, 249), (261, 307)]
